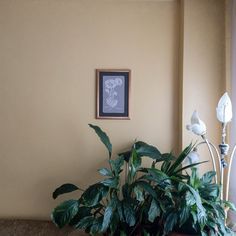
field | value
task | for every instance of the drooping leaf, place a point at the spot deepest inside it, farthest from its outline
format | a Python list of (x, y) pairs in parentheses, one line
[(154, 211), (170, 222), (104, 138), (65, 188), (208, 177), (189, 198), (138, 193), (184, 214), (105, 172), (144, 149), (209, 191), (129, 213), (96, 226), (94, 194), (85, 222), (65, 212), (108, 215)]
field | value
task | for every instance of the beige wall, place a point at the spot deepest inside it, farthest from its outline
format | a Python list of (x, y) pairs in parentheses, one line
[(203, 66), (49, 51)]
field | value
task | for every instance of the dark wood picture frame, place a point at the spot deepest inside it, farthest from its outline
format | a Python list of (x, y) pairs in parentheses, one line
[(113, 94)]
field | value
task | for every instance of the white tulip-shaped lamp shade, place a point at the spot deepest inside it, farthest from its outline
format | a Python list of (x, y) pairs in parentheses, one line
[(224, 109), (197, 126)]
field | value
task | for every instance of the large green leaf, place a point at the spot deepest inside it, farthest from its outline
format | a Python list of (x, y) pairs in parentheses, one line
[(129, 213), (208, 177), (190, 199), (170, 222), (94, 194), (104, 138), (85, 222), (184, 214), (96, 226), (65, 188), (138, 193), (154, 211), (65, 212), (144, 149), (108, 215)]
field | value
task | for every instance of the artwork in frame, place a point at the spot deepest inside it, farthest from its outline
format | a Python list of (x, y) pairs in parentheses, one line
[(113, 92)]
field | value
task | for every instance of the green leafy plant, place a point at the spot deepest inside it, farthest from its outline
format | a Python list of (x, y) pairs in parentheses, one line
[(136, 200), (197, 208)]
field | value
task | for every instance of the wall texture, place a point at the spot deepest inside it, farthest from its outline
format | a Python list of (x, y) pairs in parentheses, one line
[(49, 51)]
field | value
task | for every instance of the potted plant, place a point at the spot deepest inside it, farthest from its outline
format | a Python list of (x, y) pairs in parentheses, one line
[(149, 201)]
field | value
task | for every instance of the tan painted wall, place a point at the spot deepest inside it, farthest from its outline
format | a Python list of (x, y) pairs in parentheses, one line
[(203, 67), (49, 51)]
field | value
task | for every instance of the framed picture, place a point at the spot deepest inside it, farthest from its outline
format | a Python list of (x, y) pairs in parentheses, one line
[(113, 91)]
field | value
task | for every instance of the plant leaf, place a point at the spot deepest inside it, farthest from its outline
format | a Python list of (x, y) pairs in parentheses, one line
[(129, 213), (154, 211), (147, 187), (82, 212), (85, 222), (179, 160), (230, 205), (96, 227), (208, 177), (189, 166), (65, 212), (94, 194), (116, 164), (104, 138), (108, 215), (170, 222), (144, 149), (138, 193), (105, 172), (184, 214), (65, 188), (111, 182)]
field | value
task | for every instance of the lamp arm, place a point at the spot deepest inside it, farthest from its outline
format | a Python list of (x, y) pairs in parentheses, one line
[(229, 172), (210, 146)]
